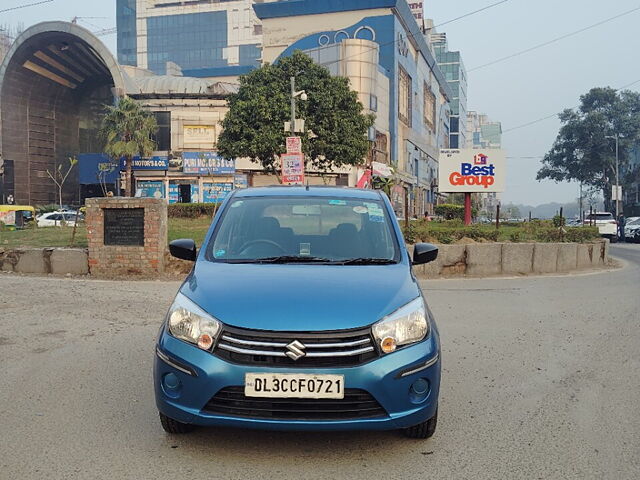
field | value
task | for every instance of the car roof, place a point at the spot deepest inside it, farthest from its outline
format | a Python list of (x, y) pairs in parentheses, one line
[(310, 191)]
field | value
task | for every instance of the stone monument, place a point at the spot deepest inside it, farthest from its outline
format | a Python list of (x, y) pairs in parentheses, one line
[(127, 236)]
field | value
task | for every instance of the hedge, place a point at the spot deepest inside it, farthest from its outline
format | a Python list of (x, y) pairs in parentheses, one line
[(450, 212), (192, 210)]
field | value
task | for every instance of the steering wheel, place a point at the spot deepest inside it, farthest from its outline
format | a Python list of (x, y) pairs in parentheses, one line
[(265, 241)]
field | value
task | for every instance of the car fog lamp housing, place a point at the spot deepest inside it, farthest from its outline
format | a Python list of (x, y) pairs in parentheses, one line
[(190, 323), (405, 326)]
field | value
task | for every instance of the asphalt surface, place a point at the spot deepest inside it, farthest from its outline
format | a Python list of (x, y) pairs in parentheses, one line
[(540, 380)]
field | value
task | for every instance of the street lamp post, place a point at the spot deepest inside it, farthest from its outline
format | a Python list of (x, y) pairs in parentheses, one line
[(617, 189), (303, 96)]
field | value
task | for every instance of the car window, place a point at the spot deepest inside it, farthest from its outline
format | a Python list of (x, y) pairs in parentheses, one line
[(333, 229), (600, 216)]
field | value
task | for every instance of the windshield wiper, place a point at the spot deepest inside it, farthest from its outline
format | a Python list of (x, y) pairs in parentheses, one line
[(365, 261), (283, 259)]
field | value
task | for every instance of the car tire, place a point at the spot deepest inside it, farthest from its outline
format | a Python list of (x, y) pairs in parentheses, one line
[(170, 425), (423, 430), (613, 238)]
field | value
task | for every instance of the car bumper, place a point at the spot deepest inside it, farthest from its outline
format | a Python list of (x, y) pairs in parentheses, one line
[(388, 379)]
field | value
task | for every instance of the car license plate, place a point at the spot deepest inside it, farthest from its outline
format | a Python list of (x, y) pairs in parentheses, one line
[(293, 385)]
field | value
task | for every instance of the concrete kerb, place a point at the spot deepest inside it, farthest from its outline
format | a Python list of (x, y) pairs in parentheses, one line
[(43, 261), (32, 261), (69, 261), (567, 257), (545, 258), (484, 259), (517, 258)]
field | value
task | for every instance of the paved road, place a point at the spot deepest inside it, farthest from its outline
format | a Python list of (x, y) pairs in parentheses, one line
[(540, 381)]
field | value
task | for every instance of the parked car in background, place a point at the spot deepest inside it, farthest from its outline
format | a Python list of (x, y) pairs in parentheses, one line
[(334, 334), (55, 219), (607, 225), (632, 230)]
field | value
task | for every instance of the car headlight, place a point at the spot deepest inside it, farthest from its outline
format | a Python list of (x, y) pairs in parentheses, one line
[(406, 325), (188, 322)]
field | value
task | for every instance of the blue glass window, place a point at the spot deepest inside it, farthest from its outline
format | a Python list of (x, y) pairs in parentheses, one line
[(127, 32), (194, 40)]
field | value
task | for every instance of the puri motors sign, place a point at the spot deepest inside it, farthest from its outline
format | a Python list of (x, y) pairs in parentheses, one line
[(472, 170)]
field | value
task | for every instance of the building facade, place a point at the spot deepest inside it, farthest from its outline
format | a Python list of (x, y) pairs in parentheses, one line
[(202, 38), (484, 133), (453, 69), (380, 47)]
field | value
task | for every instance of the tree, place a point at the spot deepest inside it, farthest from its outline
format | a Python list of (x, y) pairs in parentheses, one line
[(581, 151), (335, 124), (128, 131), (60, 178)]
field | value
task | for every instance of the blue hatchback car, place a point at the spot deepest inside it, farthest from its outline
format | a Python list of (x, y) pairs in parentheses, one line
[(300, 313)]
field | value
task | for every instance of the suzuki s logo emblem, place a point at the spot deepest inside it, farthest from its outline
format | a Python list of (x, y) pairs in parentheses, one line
[(296, 350)]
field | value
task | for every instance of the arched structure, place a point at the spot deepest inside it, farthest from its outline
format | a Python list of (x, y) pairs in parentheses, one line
[(54, 83)]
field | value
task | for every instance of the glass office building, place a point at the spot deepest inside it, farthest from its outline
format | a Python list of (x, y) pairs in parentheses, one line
[(203, 38), (453, 68)]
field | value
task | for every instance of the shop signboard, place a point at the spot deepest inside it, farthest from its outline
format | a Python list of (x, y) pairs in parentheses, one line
[(206, 163), (292, 168), (215, 192), (150, 189), (195, 193), (472, 170), (174, 193), (155, 162), (294, 145), (240, 180), (95, 168), (195, 135)]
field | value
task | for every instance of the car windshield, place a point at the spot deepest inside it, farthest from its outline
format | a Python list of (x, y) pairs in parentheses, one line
[(304, 230), (634, 222), (600, 216)]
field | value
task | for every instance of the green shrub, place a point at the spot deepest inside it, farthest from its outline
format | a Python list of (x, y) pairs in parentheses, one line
[(581, 234), (192, 210), (449, 211), (559, 221), (514, 237)]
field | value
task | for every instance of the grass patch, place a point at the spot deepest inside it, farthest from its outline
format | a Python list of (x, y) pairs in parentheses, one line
[(195, 228), (43, 237), (451, 231)]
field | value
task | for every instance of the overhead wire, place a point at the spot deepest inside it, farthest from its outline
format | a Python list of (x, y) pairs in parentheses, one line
[(533, 122), (25, 6), (412, 35), (554, 40), (468, 14)]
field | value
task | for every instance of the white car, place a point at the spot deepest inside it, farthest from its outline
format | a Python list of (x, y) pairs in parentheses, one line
[(607, 225), (56, 219), (632, 229)]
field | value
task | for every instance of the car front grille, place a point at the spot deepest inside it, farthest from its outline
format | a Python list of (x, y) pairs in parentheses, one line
[(323, 349), (356, 404)]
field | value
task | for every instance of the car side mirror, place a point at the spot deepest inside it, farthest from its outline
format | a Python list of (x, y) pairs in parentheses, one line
[(184, 249), (424, 253)]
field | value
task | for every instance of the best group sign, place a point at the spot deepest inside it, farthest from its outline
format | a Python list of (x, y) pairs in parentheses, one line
[(472, 170)]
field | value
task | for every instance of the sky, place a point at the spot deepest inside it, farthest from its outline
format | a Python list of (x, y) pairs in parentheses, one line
[(531, 86)]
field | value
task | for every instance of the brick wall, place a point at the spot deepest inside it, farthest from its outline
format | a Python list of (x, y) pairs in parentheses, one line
[(116, 260)]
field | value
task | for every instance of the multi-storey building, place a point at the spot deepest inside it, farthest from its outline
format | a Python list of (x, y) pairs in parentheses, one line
[(381, 48), (453, 68), (484, 133), (203, 38)]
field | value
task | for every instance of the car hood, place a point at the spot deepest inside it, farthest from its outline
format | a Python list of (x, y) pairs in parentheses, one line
[(299, 297)]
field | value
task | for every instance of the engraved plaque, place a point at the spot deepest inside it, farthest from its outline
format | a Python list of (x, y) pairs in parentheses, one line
[(124, 226)]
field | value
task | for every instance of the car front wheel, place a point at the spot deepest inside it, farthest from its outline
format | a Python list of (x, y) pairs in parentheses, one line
[(173, 426), (423, 430)]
